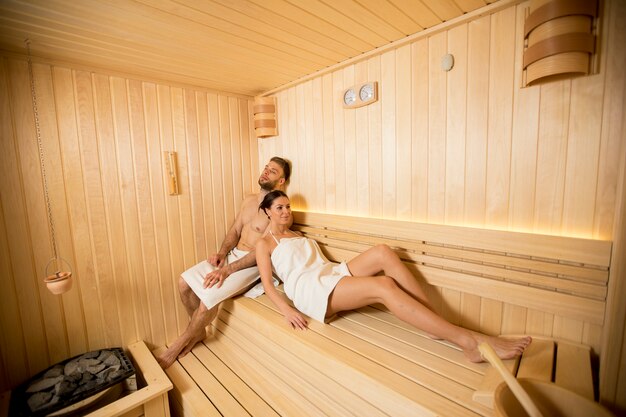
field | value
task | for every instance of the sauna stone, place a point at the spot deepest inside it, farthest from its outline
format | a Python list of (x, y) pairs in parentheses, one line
[(81, 374)]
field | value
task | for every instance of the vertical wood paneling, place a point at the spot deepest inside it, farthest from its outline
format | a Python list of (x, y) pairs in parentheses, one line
[(455, 126), (362, 146), (551, 156), (125, 238), (374, 159), (15, 356), (155, 100), (328, 97), (176, 211), (129, 270), (338, 141), (388, 123), (437, 47), (501, 70), (74, 217), (117, 302), (144, 206), (317, 137), (419, 129), (350, 146), (403, 131), (26, 277), (583, 154), (53, 318), (477, 120), (219, 227), (523, 143)]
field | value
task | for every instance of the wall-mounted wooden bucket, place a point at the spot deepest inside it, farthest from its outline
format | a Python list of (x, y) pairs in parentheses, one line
[(551, 399), (559, 39), (264, 110)]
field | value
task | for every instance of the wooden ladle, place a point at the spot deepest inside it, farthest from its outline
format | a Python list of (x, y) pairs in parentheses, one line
[(520, 393)]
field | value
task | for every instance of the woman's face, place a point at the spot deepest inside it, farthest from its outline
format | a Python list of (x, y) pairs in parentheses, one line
[(280, 211)]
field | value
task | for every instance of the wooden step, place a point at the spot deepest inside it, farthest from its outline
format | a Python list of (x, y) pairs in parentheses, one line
[(564, 363)]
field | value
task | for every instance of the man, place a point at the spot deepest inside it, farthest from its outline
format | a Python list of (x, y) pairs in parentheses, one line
[(229, 271)]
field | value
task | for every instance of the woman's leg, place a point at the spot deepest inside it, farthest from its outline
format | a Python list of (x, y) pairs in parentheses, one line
[(355, 292), (381, 258)]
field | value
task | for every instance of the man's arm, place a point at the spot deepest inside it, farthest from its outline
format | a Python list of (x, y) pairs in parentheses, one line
[(230, 241), (218, 276)]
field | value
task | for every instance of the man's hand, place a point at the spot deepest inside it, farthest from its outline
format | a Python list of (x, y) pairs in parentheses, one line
[(216, 277), (217, 260)]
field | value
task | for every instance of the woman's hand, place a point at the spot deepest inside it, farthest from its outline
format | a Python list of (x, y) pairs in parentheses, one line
[(296, 319)]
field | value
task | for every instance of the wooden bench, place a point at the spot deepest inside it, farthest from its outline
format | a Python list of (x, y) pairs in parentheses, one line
[(368, 362)]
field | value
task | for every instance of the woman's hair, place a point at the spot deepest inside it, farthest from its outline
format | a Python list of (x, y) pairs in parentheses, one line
[(269, 199)]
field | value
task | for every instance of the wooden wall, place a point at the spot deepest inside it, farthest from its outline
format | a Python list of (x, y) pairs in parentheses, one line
[(467, 147), (126, 239), (464, 147)]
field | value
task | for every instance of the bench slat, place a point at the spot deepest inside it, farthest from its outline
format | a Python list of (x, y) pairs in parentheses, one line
[(444, 385), (278, 394), (576, 250), (561, 304), (237, 390), (200, 365), (301, 374), (382, 387), (571, 286), (186, 393), (598, 275)]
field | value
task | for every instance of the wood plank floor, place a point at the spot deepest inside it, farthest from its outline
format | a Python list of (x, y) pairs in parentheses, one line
[(364, 363)]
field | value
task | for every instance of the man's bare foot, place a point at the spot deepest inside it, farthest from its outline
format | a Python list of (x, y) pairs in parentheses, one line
[(167, 358), (504, 348), (180, 348), (199, 337)]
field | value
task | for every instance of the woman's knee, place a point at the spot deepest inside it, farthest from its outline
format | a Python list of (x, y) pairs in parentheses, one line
[(386, 286), (383, 249), (383, 252)]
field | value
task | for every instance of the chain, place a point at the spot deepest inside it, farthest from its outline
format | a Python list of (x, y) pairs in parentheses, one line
[(39, 143)]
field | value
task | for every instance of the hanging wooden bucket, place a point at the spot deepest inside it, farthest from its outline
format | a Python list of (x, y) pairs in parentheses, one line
[(60, 281), (551, 399)]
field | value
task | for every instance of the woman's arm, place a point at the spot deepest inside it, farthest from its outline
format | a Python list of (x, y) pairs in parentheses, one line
[(264, 263)]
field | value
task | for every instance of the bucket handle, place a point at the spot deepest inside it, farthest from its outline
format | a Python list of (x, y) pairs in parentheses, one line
[(58, 272)]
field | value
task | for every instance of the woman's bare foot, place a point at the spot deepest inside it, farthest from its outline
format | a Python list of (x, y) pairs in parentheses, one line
[(505, 348)]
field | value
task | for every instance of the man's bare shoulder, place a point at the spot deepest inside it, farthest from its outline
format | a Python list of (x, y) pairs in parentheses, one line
[(250, 200)]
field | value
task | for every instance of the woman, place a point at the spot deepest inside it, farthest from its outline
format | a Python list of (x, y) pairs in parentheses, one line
[(320, 289)]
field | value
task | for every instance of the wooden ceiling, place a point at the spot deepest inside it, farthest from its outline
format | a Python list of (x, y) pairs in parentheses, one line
[(236, 46)]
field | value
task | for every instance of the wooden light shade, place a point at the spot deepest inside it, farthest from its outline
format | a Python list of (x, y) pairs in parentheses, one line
[(264, 110), (559, 39)]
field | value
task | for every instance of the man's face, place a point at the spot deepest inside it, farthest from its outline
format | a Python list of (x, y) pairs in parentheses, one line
[(272, 176)]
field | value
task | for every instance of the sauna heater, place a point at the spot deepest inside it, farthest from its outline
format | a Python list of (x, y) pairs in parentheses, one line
[(70, 381)]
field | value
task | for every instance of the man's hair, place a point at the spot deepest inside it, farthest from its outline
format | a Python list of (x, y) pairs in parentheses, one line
[(285, 165)]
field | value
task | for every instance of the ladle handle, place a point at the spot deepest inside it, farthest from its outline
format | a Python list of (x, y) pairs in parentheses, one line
[(522, 396)]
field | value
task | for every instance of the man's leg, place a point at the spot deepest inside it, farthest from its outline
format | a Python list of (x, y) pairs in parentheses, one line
[(189, 298), (202, 316), (194, 333)]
